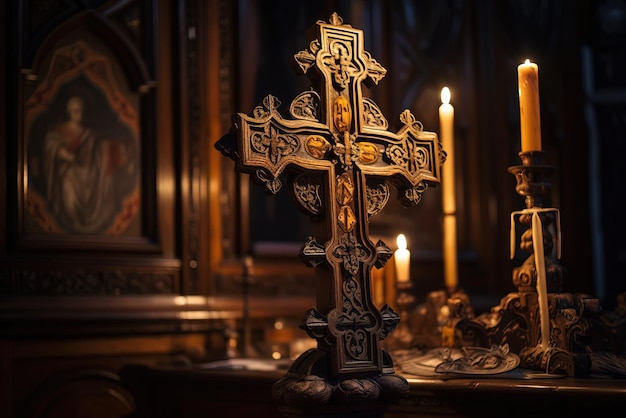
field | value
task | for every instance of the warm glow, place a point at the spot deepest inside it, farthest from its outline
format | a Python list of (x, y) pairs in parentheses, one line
[(194, 315), (403, 260), (445, 95), (530, 115), (189, 300), (448, 204), (526, 62), (401, 242)]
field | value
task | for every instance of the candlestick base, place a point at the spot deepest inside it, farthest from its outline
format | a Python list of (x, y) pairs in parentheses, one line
[(548, 359), (401, 338)]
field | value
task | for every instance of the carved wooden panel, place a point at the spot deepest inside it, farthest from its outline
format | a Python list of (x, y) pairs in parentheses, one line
[(86, 212), (95, 243), (603, 62)]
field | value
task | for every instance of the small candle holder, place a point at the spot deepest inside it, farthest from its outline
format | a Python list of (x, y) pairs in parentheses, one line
[(533, 182), (533, 178), (402, 337)]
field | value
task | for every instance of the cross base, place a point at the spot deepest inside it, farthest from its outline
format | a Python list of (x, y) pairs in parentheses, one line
[(308, 390)]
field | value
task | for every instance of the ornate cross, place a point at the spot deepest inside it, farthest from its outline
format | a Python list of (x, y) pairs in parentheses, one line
[(339, 156)]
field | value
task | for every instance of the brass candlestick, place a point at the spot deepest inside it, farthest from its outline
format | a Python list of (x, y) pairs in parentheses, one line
[(551, 331), (533, 178), (571, 334), (533, 183), (540, 274)]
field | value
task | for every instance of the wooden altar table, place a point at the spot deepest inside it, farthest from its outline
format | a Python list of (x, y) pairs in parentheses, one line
[(197, 391)]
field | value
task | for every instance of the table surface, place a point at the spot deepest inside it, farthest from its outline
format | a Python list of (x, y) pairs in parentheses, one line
[(199, 388), (518, 380)]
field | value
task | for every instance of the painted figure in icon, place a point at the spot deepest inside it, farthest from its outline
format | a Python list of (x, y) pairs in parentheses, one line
[(89, 170)]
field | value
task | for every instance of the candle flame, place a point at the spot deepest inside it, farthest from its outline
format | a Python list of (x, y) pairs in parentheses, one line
[(445, 95), (401, 242), (527, 61)]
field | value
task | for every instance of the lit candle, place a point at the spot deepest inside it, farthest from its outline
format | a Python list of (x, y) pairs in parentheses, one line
[(446, 127), (403, 260), (530, 120)]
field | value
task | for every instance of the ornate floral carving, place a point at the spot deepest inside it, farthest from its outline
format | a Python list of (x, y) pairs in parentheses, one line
[(307, 189), (273, 144), (91, 282), (351, 252), (305, 106), (377, 197), (372, 115)]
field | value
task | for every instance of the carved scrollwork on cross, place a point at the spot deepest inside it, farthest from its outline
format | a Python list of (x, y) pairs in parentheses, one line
[(352, 329), (408, 155), (307, 191), (316, 326), (384, 254), (270, 105), (413, 195), (306, 58), (344, 189), (377, 196), (375, 71), (390, 321), (353, 302), (419, 155), (409, 120), (338, 61), (305, 106), (351, 252), (313, 253), (274, 145), (345, 151), (372, 115), (353, 321), (271, 183)]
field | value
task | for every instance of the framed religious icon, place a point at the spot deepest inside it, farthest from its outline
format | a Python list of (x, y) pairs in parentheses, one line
[(92, 199), (81, 148)]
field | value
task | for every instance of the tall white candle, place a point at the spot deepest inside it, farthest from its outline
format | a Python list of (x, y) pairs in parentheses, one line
[(446, 127), (402, 257)]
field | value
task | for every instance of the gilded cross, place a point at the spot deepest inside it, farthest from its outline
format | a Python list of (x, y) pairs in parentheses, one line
[(339, 156)]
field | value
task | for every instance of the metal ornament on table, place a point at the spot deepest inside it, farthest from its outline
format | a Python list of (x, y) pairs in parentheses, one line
[(569, 333), (540, 273), (339, 156), (552, 331)]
